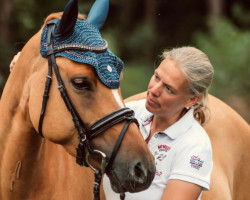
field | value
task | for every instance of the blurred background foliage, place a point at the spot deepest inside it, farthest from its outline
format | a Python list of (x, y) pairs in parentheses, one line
[(138, 31)]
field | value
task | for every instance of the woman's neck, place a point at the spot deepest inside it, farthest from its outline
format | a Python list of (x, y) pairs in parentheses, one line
[(161, 123), (158, 124)]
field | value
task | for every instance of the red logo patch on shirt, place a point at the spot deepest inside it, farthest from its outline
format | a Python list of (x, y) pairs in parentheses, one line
[(163, 147)]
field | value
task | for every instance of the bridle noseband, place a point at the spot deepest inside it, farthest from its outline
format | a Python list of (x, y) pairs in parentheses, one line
[(85, 133)]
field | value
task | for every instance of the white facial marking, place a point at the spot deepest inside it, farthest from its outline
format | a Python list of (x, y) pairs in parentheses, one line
[(118, 98)]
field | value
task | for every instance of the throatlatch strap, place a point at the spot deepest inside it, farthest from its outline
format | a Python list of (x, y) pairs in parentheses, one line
[(45, 100), (47, 85)]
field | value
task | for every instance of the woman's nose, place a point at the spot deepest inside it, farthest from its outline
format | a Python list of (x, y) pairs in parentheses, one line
[(156, 89)]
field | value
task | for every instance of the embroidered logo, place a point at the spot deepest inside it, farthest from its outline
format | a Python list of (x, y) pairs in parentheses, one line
[(161, 157), (148, 121), (156, 153), (164, 148), (196, 162)]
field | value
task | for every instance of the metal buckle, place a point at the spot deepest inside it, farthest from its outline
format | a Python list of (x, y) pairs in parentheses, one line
[(103, 163)]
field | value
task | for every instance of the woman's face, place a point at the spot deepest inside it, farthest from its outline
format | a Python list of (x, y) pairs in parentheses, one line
[(168, 91)]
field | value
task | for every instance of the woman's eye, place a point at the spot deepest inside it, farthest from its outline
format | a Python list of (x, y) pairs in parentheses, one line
[(169, 90), (81, 84), (156, 77)]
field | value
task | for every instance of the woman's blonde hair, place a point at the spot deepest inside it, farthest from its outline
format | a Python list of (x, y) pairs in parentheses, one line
[(199, 73)]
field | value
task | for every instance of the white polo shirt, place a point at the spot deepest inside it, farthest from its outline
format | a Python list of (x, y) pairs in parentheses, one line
[(183, 151)]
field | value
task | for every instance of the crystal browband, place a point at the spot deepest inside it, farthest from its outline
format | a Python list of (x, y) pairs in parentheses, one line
[(77, 47)]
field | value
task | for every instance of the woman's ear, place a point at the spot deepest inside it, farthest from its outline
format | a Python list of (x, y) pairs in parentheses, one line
[(193, 100)]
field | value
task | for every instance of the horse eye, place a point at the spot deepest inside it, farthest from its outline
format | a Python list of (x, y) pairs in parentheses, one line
[(81, 84)]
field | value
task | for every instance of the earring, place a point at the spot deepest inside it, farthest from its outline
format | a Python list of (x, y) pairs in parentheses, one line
[(187, 108)]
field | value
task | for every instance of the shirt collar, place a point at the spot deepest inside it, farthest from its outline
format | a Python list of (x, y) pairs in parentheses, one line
[(181, 126), (146, 118), (175, 130)]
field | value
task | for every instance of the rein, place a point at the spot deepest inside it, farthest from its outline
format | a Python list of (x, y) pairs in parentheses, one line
[(85, 133)]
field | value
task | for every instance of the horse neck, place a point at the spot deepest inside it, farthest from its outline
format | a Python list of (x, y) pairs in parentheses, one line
[(19, 142), (21, 146), (15, 97)]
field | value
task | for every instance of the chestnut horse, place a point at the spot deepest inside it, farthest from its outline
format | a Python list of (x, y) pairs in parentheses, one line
[(43, 168), (230, 137)]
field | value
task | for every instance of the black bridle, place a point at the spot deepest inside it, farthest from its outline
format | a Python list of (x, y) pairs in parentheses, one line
[(85, 133)]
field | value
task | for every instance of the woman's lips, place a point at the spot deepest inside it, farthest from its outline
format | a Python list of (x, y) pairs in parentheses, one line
[(151, 102)]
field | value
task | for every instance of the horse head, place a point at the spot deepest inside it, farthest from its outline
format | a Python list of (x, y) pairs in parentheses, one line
[(77, 61), (88, 74)]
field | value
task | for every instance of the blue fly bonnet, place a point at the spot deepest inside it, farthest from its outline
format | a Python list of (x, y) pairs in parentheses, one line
[(85, 42)]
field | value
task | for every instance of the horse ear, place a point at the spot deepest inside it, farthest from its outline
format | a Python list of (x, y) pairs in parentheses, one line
[(68, 20), (98, 13)]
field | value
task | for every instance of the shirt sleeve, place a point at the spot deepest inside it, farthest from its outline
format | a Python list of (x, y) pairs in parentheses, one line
[(137, 106), (132, 104), (193, 163)]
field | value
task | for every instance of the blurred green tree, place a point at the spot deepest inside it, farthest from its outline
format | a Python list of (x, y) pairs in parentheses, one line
[(228, 49), (139, 30)]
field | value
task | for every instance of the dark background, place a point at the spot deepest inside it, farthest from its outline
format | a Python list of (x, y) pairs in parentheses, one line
[(138, 31)]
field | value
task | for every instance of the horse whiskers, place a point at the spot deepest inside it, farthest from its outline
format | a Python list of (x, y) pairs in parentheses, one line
[(132, 182), (131, 179), (118, 184), (16, 174)]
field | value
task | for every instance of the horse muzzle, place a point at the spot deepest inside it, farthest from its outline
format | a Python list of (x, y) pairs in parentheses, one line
[(139, 176)]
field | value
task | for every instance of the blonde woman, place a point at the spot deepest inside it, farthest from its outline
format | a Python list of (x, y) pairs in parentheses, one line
[(171, 119)]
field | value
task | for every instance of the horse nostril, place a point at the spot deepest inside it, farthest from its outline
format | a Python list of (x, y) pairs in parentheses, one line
[(140, 173), (140, 176)]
